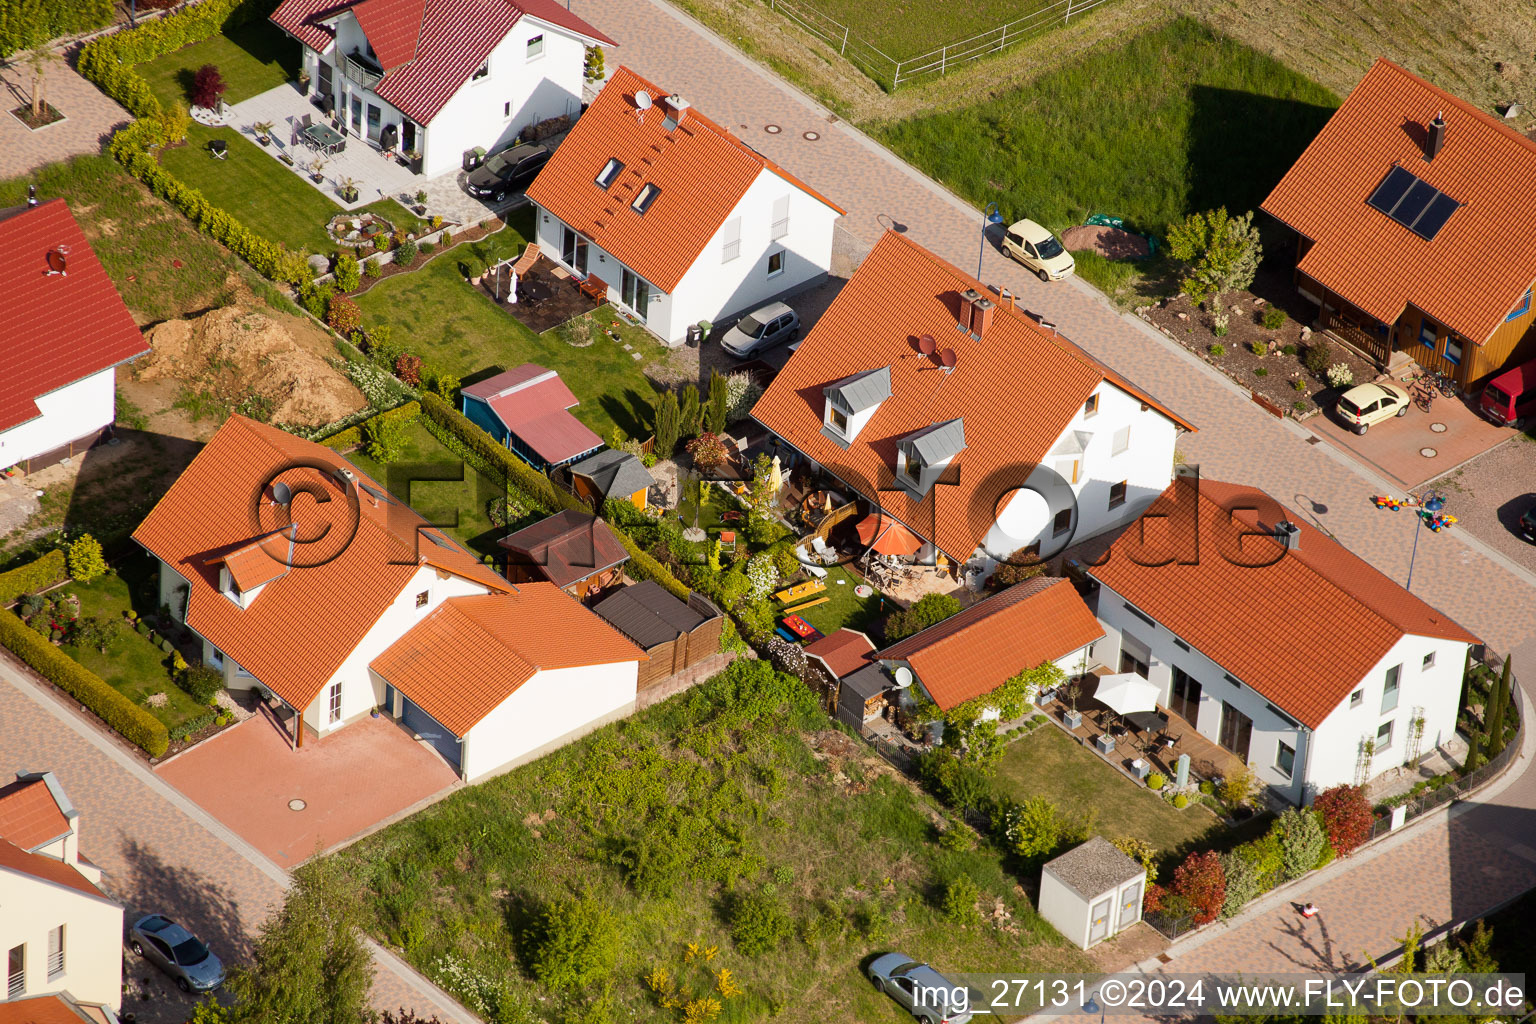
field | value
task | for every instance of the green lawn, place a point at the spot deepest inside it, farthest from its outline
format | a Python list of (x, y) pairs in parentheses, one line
[(669, 818), (1177, 119), (844, 608), (1051, 764), (251, 59), (138, 239), (134, 667), (908, 28), (449, 322), (456, 505)]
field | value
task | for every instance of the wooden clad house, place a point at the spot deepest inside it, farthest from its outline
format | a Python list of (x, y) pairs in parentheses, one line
[(1411, 209)]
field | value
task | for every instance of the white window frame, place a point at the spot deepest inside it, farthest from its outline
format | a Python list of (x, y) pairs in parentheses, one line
[(482, 73), (777, 254), (1091, 406), (833, 415), (1124, 493), (730, 241), (534, 49), (55, 956), (780, 218), (1357, 698), (1122, 440), (1281, 746), (1392, 689), (333, 704), (611, 171), (645, 198), (1387, 745), (1429, 662)]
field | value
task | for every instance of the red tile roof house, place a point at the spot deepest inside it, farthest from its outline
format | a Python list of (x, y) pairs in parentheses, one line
[(974, 651), (307, 579), (528, 410), (65, 331), (943, 407), (681, 220), (1273, 640), (442, 76), (1414, 234), (61, 933)]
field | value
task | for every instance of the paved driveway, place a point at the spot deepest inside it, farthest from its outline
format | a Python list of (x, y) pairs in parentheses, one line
[(288, 803), (1419, 445), (90, 118)]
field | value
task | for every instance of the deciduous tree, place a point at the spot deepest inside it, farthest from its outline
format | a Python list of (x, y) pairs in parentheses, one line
[(1221, 253), (1346, 817)]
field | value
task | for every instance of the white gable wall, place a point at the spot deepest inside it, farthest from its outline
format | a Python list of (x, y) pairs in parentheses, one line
[(549, 710), (93, 938), (72, 411)]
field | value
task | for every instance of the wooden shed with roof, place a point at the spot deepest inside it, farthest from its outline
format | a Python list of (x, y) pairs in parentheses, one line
[(674, 634)]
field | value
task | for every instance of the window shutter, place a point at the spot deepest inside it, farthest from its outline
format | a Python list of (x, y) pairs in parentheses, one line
[(730, 240), (781, 217)]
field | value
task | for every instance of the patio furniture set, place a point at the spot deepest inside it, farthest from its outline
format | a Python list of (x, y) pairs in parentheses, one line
[(320, 136)]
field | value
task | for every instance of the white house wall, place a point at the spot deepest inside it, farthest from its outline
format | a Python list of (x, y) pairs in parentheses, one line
[(72, 411), (1326, 757), (361, 690), (1146, 466), (605, 266), (552, 708), (93, 937)]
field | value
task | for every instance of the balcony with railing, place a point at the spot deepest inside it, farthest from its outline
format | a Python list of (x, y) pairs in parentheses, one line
[(360, 70)]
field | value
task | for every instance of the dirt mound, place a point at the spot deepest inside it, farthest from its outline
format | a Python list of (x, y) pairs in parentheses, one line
[(1113, 243), (270, 365)]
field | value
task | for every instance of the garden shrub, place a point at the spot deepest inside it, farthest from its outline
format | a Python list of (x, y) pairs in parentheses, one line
[(133, 722), (1218, 350), (342, 315), (372, 269), (86, 561), (94, 631), (1140, 851), (576, 942), (960, 899), (1180, 802), (405, 253), (1302, 840), (202, 682), (207, 86), (925, 612), (1340, 375), (408, 369), (1347, 817), (1023, 564), (1156, 781), (1318, 357), (383, 439), (872, 922), (316, 298), (194, 725), (32, 577), (1035, 829), (1244, 883), (352, 437), (1267, 858), (1259, 349), (1201, 881), (957, 836), (759, 923), (348, 274), (1273, 318)]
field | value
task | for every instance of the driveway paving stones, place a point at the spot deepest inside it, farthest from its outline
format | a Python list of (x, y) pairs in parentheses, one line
[(89, 118), (1419, 445), (347, 782)]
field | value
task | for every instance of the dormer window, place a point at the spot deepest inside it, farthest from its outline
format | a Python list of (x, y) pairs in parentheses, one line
[(645, 198), (610, 172), (838, 419), (481, 72), (923, 457), (851, 403), (914, 466)]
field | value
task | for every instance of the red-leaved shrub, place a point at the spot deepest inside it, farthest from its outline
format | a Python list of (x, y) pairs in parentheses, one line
[(1202, 881), (408, 369), (207, 86), (343, 316), (1347, 817)]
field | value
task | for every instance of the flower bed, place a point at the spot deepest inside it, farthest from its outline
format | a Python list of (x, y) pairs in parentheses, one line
[(358, 230)]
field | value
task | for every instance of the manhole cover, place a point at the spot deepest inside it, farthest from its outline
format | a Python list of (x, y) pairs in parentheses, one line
[(772, 129), (296, 805), (1428, 453), (811, 136), (1438, 428)]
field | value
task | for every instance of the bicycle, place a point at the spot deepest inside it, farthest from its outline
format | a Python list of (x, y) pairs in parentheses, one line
[(1422, 390), (1445, 383)]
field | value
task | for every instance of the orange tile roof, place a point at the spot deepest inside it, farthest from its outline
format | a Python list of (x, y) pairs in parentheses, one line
[(355, 554), (472, 653), (51, 1009), (14, 858), (975, 651), (251, 567), (1480, 263), (1263, 616), (844, 651), (1016, 390), (701, 169), (29, 816)]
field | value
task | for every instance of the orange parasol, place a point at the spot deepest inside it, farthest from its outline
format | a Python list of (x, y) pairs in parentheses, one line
[(885, 536)]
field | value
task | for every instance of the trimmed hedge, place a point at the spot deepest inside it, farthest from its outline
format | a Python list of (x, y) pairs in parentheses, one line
[(32, 577), (24, 21), (465, 439), (133, 722), (352, 437)]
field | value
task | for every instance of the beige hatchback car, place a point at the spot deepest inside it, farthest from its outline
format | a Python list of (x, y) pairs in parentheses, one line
[(1039, 250), (1365, 404)]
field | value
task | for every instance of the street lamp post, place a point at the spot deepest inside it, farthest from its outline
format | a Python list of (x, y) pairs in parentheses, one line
[(989, 217), (1092, 1006)]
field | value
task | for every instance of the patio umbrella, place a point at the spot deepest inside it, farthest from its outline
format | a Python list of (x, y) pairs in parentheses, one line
[(1127, 693), (776, 475), (885, 536)]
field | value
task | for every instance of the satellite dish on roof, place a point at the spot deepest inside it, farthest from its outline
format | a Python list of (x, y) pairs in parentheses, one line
[(57, 261), (949, 359), (643, 100), (903, 677), (281, 493), (926, 344)]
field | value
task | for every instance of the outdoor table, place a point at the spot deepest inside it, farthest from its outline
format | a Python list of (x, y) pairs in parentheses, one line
[(804, 630), (1147, 721), (322, 136)]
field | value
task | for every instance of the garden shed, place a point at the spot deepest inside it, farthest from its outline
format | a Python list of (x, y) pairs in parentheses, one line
[(612, 474), (861, 696), (675, 634), (1091, 892)]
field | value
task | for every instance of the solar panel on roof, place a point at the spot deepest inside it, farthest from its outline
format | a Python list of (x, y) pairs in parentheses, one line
[(1413, 203)]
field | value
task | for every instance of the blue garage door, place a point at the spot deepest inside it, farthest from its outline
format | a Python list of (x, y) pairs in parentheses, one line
[(423, 724)]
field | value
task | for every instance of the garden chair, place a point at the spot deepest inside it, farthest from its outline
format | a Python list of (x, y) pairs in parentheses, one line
[(218, 149)]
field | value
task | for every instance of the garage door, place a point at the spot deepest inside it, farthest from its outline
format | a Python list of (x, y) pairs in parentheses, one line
[(427, 727)]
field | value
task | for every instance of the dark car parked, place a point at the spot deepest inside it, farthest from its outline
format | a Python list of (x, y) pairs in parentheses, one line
[(507, 173)]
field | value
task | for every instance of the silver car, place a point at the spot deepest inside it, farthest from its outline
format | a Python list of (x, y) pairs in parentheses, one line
[(922, 991), (761, 330), (177, 952)]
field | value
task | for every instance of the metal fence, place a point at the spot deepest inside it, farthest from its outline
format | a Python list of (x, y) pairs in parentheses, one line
[(891, 72)]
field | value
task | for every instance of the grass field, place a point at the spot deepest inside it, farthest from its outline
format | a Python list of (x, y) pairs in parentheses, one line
[(670, 820), (845, 608), (908, 28), (1175, 120), (449, 322), (251, 59)]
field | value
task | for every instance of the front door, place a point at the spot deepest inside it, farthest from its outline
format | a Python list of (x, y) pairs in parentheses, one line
[(573, 251), (408, 136), (1098, 928), (326, 89), (1236, 731), (1186, 696), (635, 293), (375, 115)]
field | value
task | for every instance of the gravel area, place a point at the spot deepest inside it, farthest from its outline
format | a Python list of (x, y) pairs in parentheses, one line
[(1488, 495)]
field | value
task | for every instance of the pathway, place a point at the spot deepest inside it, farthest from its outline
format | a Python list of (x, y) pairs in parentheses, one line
[(89, 118), (1467, 863), (158, 849)]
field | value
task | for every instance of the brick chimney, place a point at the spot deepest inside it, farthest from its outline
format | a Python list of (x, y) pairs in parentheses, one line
[(1436, 138), (981, 316)]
